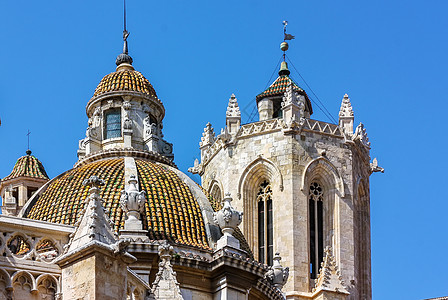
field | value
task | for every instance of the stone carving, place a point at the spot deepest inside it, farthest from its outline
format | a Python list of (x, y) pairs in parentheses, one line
[(346, 116), (208, 136), (94, 225), (228, 219), (92, 132), (232, 108), (225, 136), (277, 275), (127, 105), (166, 148), (165, 285), (127, 123), (133, 204), (374, 166), (291, 97), (152, 129), (346, 107), (329, 278), (197, 167), (361, 135)]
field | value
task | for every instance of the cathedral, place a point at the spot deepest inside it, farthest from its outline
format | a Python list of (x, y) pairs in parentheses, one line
[(282, 212)]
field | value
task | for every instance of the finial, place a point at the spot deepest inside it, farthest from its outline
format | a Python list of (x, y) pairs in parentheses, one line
[(284, 69), (124, 58), (284, 45), (28, 152)]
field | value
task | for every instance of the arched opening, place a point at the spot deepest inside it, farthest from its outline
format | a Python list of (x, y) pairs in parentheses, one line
[(323, 186), (362, 243), (260, 184), (47, 287), (265, 225), (215, 191), (316, 227)]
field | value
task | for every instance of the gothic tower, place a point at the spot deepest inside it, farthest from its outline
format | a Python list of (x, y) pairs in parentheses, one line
[(303, 186)]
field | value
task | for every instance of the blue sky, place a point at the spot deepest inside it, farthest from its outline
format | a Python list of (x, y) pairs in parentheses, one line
[(389, 56)]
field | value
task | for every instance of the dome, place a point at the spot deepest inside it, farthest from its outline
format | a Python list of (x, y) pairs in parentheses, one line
[(171, 211), (126, 79), (27, 166)]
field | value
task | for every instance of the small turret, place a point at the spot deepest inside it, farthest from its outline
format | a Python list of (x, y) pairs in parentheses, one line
[(27, 176)]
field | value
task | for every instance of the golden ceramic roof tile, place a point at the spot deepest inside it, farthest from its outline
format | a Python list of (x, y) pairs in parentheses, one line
[(28, 166), (125, 80), (171, 211)]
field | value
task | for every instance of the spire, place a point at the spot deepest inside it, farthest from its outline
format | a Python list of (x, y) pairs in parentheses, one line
[(330, 278), (124, 61), (284, 46), (346, 116)]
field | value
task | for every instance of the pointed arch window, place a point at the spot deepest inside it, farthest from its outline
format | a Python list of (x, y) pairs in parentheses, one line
[(112, 125), (316, 223), (265, 227)]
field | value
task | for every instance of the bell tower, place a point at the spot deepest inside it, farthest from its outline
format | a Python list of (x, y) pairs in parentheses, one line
[(303, 185)]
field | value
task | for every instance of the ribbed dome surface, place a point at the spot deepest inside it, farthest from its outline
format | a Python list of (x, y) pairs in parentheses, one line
[(278, 88), (171, 211), (28, 166), (125, 80)]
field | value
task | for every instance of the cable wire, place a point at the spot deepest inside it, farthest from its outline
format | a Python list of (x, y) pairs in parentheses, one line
[(324, 109)]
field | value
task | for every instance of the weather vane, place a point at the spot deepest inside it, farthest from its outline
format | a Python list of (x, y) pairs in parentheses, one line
[(284, 45)]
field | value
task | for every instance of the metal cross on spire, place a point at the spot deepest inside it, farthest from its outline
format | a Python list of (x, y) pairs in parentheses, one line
[(125, 32), (28, 135)]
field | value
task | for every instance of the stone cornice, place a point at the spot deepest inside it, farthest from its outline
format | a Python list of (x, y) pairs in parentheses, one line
[(156, 101), (117, 152)]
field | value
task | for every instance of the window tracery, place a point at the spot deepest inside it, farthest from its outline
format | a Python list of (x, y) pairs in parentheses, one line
[(316, 195), (47, 288), (18, 245), (265, 226)]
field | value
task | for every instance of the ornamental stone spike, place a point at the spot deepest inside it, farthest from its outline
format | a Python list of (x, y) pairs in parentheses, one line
[(228, 220), (361, 135), (277, 274), (233, 116), (346, 116), (133, 204), (208, 136), (329, 278)]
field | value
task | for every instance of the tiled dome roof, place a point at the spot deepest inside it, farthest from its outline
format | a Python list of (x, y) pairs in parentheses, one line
[(125, 80), (28, 166), (171, 211), (278, 88)]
